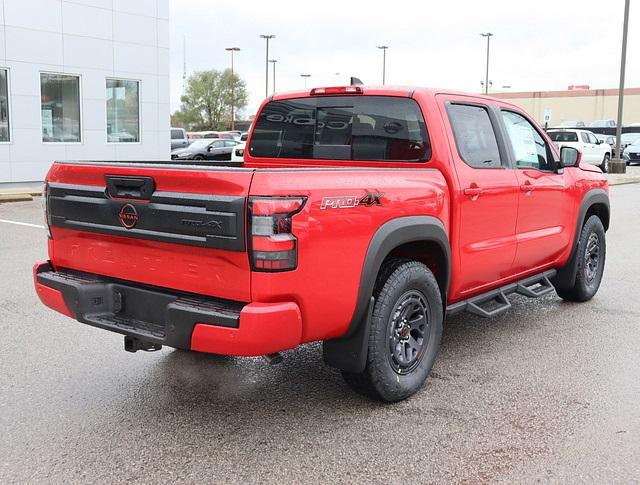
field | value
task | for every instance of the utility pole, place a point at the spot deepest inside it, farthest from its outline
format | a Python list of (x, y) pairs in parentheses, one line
[(488, 35), (233, 87), (184, 63), (619, 166), (267, 37), (305, 77), (273, 64), (384, 62)]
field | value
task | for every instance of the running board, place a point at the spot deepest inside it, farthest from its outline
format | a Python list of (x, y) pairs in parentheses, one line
[(496, 301)]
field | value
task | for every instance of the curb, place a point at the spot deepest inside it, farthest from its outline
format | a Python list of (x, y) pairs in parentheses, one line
[(624, 182), (15, 198)]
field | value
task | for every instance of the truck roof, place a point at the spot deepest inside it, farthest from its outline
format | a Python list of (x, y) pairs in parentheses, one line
[(401, 91)]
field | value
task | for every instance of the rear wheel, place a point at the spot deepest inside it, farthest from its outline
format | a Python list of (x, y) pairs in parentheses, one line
[(198, 157), (404, 339), (604, 166), (591, 253)]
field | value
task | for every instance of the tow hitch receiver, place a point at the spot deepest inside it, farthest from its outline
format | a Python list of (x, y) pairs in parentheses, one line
[(133, 344)]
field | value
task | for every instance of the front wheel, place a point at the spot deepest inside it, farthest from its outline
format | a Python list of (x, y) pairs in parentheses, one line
[(604, 166), (589, 261), (404, 338)]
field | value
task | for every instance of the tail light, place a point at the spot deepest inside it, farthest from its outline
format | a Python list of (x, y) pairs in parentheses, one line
[(336, 90), (45, 208), (273, 247)]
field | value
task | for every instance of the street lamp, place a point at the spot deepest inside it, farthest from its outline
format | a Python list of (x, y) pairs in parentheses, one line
[(267, 37), (620, 166), (488, 35), (273, 63), (233, 87), (305, 76), (384, 62)]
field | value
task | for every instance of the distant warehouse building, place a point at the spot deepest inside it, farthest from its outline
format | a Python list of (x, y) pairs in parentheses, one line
[(82, 79), (584, 105)]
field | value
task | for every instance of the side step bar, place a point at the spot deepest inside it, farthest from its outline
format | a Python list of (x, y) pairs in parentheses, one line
[(496, 301)]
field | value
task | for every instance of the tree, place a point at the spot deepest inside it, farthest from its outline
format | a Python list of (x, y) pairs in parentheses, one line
[(206, 103)]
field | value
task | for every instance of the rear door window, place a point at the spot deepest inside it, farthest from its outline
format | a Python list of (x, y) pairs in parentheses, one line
[(374, 128), (474, 135)]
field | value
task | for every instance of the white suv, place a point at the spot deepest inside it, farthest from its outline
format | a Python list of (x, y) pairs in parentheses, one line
[(593, 151)]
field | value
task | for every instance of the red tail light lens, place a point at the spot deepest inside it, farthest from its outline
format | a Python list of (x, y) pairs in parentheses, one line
[(273, 246)]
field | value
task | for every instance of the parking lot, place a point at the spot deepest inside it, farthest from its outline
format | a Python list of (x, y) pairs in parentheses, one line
[(546, 392)]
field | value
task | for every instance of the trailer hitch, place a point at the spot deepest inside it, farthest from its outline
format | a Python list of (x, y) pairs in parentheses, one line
[(133, 344)]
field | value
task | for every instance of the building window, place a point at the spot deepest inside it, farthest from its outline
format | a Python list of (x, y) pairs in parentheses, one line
[(60, 104), (4, 106), (123, 111)]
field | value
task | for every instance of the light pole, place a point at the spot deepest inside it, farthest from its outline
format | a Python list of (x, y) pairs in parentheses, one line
[(267, 37), (233, 87), (488, 35), (384, 62), (273, 63), (620, 166), (305, 77)]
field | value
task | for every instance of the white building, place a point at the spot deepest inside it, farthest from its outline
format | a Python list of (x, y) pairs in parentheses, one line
[(82, 80)]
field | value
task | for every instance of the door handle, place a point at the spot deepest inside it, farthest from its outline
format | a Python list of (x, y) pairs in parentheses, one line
[(527, 187), (473, 191)]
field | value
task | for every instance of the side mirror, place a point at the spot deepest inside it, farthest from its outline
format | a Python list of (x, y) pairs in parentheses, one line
[(570, 157), (209, 148)]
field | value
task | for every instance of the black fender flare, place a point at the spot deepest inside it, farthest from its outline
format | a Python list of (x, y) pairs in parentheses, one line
[(349, 352), (566, 276)]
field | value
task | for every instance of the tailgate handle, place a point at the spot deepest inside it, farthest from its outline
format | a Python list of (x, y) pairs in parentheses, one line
[(130, 187)]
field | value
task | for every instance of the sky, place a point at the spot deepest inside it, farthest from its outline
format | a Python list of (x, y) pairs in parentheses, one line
[(536, 45)]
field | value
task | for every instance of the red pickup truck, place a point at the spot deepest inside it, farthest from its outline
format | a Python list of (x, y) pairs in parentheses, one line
[(361, 217)]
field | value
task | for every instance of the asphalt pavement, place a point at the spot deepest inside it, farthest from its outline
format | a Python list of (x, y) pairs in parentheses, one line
[(548, 392)]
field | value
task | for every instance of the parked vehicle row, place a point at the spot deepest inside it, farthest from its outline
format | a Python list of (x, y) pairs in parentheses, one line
[(205, 149), (607, 123)]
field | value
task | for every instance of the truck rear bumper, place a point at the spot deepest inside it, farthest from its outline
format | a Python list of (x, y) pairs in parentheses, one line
[(165, 317)]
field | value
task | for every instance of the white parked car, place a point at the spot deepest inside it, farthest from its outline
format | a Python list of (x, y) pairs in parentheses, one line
[(593, 151), (237, 155)]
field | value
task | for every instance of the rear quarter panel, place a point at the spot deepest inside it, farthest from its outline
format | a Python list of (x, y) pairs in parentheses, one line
[(332, 242)]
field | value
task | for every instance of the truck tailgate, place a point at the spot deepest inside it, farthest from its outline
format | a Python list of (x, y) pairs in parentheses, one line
[(179, 227)]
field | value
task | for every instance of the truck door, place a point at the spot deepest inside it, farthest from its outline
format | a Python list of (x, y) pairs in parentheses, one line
[(486, 198), (545, 209)]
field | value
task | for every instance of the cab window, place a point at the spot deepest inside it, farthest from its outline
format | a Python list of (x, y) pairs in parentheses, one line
[(474, 135), (529, 148), (376, 128)]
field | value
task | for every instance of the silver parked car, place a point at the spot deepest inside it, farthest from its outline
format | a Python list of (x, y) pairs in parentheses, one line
[(178, 138)]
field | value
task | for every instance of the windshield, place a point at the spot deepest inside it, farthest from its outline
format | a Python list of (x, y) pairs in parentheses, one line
[(629, 138), (560, 136), (342, 128)]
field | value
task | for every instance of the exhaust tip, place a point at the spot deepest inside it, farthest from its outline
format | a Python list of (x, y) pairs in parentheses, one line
[(273, 359)]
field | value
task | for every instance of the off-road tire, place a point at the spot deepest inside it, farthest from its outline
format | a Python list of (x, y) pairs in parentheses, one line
[(399, 280), (588, 276)]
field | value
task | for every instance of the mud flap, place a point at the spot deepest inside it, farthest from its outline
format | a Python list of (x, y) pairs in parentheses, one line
[(350, 353)]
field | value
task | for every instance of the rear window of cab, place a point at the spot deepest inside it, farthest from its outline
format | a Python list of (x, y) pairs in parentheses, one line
[(374, 128)]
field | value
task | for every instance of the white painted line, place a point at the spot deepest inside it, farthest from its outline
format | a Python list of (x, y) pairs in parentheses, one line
[(39, 226)]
